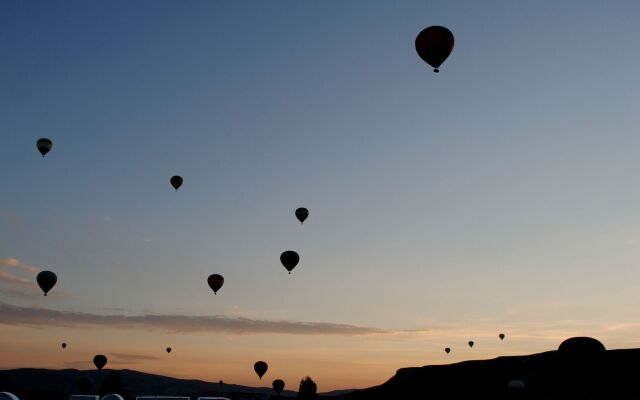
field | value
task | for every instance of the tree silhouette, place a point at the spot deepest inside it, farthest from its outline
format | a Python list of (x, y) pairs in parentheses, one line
[(307, 389)]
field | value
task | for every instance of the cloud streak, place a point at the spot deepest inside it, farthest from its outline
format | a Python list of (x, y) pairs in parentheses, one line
[(42, 317), (14, 280), (15, 263)]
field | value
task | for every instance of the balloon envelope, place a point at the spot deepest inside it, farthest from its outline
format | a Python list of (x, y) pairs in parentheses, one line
[(100, 361), (471, 343), (46, 280), (447, 350), (278, 386), (261, 368), (85, 384), (289, 259), (434, 44), (112, 396), (501, 336), (64, 345), (176, 181), (516, 385), (215, 282), (8, 396), (168, 349), (44, 146), (302, 214)]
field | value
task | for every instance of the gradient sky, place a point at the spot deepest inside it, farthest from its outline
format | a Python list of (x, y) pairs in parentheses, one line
[(500, 195)]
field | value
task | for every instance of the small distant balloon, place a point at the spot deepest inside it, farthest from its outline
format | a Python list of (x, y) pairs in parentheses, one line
[(471, 343), (46, 280), (100, 361), (501, 336), (176, 182), (64, 345), (44, 146), (168, 349), (434, 44), (302, 214), (289, 259), (261, 368), (447, 350), (215, 282), (278, 386)]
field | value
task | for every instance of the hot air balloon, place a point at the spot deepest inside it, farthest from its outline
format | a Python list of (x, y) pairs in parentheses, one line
[(8, 396), (434, 44), (302, 214), (168, 349), (447, 350), (261, 368), (215, 282), (46, 280), (85, 384), (471, 343), (100, 361), (289, 259), (516, 385), (44, 146), (501, 336), (278, 386), (176, 182), (64, 345), (112, 396)]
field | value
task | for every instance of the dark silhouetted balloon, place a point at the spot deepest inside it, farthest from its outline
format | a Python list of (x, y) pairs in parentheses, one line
[(516, 385), (289, 259), (501, 336), (46, 280), (434, 44), (581, 346), (85, 385), (302, 214), (261, 368), (168, 349), (176, 182), (215, 282), (113, 396), (64, 345), (447, 350), (100, 361), (44, 146), (471, 343), (278, 386)]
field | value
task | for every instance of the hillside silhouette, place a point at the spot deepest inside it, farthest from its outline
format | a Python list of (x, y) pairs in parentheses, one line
[(576, 371), (40, 384), (580, 369)]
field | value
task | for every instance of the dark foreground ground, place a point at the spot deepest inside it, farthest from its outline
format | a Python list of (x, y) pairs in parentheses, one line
[(613, 374)]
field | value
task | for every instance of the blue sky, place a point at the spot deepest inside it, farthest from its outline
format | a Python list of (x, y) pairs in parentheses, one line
[(500, 192)]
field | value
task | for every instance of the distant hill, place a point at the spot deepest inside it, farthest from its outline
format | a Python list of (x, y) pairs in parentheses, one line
[(45, 384), (606, 375), (611, 375)]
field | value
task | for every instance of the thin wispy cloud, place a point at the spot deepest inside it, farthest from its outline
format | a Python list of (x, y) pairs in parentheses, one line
[(15, 263), (41, 317), (11, 279), (128, 358), (15, 284)]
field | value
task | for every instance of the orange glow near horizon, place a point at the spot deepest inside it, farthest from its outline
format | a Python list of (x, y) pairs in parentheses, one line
[(334, 362)]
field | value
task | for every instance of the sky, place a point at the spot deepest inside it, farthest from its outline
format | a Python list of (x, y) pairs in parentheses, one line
[(497, 196)]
